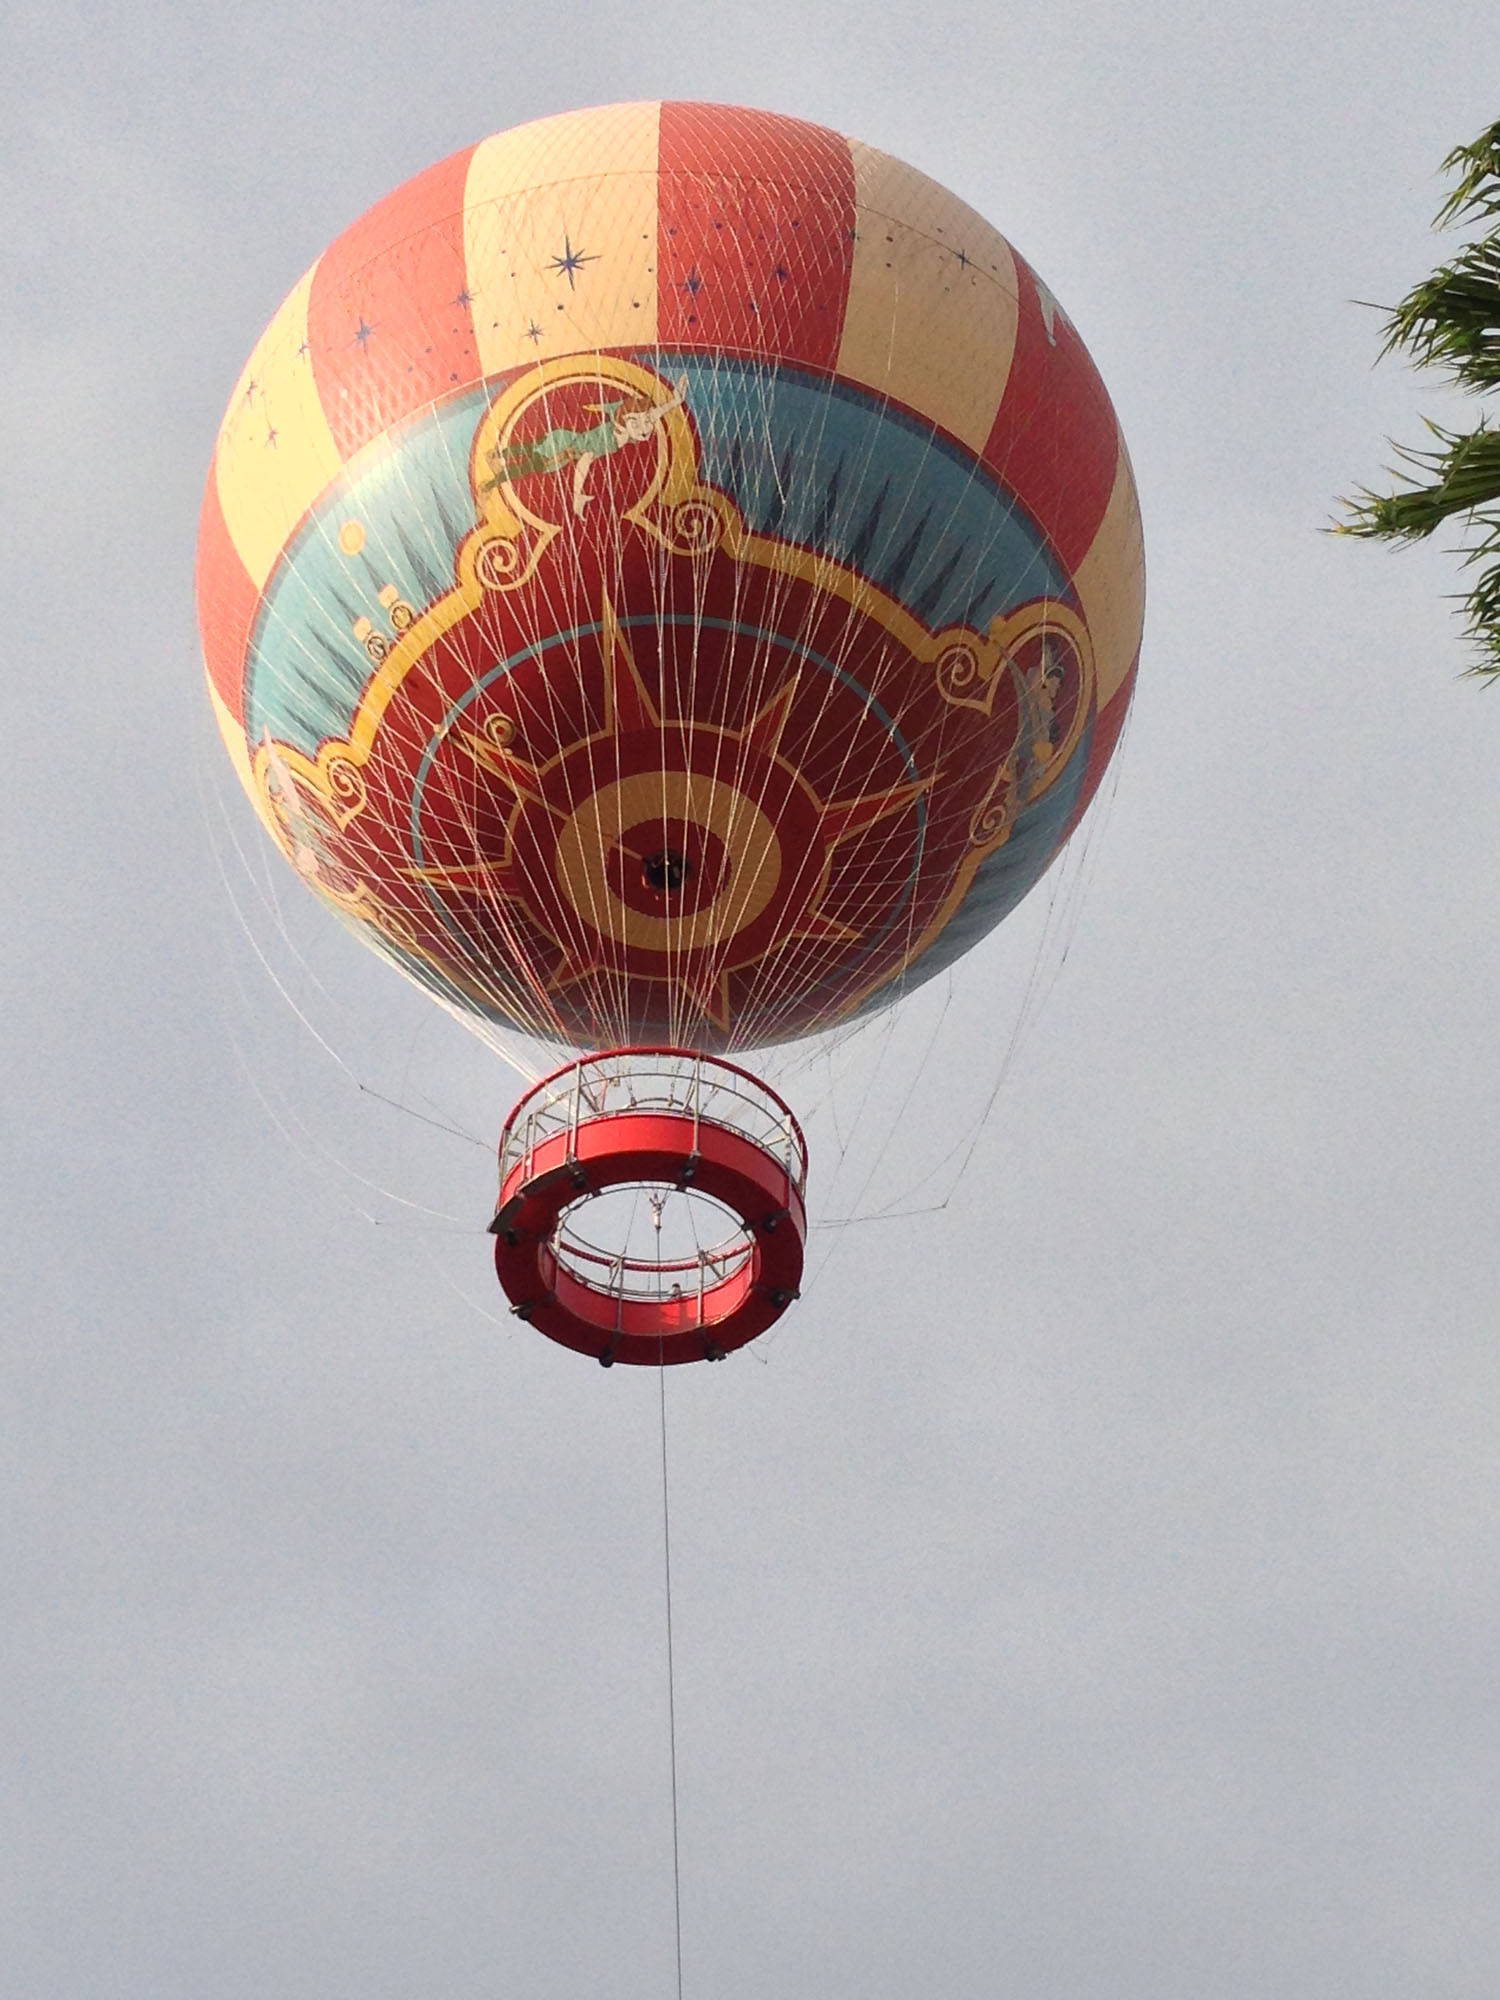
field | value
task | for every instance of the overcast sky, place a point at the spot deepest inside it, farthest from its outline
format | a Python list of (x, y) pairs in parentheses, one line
[(1090, 1591)]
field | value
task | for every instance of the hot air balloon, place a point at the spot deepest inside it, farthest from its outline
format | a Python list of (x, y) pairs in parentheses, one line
[(670, 580)]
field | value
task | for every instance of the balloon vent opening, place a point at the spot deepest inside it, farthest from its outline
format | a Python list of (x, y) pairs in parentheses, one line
[(651, 1207), (666, 872)]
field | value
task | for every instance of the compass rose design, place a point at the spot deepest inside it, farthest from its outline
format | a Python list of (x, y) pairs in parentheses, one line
[(660, 847), (648, 769)]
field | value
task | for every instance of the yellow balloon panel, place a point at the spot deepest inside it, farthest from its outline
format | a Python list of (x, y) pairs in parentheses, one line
[(931, 317), (276, 453), (1111, 584), (549, 211)]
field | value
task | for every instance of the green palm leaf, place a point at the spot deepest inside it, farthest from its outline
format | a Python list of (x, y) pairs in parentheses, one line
[(1451, 322)]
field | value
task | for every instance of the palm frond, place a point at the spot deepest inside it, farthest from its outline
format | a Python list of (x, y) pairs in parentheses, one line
[(1451, 321), (1481, 606), (1463, 477), (1478, 190)]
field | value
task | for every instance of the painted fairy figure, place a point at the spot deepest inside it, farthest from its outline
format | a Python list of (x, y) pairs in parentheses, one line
[(307, 836), (1036, 726), (620, 423)]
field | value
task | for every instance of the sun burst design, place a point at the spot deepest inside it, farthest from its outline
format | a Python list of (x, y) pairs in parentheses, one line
[(663, 847)]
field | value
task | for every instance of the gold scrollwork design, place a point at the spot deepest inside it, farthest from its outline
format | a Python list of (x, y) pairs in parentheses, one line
[(395, 924), (969, 667), (1044, 653), (300, 796), (694, 526), (357, 901), (497, 562), (498, 730), (346, 793), (965, 677), (512, 535), (992, 819), (309, 804)]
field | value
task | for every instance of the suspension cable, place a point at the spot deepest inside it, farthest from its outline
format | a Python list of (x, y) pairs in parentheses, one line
[(666, 1548)]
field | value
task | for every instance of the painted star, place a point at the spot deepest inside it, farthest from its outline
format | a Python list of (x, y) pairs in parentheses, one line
[(363, 331), (692, 283), (571, 261), (465, 297), (533, 332)]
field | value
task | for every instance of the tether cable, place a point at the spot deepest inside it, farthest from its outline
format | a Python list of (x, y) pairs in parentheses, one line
[(666, 1549)]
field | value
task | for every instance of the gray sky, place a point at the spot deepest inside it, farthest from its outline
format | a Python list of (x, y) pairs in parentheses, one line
[(1093, 1596)]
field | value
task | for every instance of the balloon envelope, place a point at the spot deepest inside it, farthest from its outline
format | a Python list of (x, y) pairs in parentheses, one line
[(670, 572)]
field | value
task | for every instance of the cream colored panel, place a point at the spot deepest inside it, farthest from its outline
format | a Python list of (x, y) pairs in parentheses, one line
[(239, 756), (931, 318), (276, 452), (560, 236), (1111, 584)]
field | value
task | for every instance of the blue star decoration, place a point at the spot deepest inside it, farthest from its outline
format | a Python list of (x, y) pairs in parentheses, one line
[(362, 332), (692, 283), (533, 332), (571, 261)]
